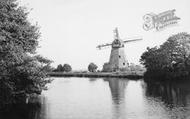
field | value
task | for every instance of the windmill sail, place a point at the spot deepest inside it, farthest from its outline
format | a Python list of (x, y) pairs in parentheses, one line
[(131, 40), (117, 61)]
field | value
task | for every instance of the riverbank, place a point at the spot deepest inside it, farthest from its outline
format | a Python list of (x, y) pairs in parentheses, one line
[(97, 75)]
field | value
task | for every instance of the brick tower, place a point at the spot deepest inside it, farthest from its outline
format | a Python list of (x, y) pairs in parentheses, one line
[(117, 59)]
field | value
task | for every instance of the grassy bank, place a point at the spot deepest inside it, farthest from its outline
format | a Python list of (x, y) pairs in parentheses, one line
[(97, 74)]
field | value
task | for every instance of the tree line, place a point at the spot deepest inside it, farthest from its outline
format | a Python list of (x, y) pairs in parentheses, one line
[(67, 68)]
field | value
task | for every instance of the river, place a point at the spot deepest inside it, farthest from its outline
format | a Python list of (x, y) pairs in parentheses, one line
[(112, 98)]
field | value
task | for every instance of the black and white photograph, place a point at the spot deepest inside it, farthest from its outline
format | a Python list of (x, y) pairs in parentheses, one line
[(94, 59)]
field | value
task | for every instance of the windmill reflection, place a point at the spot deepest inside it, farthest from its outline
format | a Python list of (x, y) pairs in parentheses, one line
[(117, 88)]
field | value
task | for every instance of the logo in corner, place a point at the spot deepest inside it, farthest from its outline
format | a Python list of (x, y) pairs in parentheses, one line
[(160, 21)]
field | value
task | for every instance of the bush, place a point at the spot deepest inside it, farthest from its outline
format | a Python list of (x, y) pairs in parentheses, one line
[(67, 68), (92, 67)]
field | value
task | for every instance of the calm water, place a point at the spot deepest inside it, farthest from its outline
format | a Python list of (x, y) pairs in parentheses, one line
[(84, 98)]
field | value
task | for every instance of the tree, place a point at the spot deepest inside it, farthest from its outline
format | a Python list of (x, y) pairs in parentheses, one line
[(63, 68), (67, 68), (22, 71), (92, 67), (59, 68), (171, 59)]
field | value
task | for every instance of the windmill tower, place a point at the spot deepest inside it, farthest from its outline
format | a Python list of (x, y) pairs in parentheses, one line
[(117, 61)]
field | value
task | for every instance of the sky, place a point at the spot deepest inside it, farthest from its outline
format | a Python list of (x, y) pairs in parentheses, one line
[(71, 29)]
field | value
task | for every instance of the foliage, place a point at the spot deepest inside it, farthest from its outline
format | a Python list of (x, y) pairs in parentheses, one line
[(67, 68), (137, 69), (63, 68), (22, 72), (92, 67), (59, 68), (171, 59), (106, 67)]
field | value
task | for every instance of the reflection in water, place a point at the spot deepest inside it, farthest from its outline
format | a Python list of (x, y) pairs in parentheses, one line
[(25, 111), (171, 93), (117, 88), (92, 79), (176, 97), (111, 98)]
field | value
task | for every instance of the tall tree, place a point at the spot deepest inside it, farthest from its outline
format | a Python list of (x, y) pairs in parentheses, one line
[(22, 71), (171, 59)]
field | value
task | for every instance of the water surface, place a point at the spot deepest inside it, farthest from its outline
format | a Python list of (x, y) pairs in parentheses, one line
[(111, 98)]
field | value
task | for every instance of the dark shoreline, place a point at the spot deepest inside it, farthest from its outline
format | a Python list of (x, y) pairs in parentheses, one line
[(96, 75)]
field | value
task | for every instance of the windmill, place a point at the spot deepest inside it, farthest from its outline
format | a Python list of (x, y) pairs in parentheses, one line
[(117, 61)]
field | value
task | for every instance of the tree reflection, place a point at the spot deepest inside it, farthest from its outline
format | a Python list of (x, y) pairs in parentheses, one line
[(173, 94), (31, 110), (92, 79)]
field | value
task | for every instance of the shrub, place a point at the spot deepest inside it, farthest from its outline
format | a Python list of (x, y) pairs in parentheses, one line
[(92, 67)]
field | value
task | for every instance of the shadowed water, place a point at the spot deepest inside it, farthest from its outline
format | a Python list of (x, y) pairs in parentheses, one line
[(84, 98)]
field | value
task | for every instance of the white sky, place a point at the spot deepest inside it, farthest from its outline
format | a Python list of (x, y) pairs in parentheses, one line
[(71, 29)]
